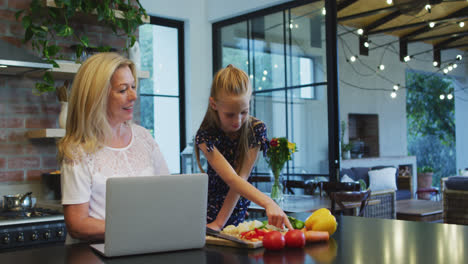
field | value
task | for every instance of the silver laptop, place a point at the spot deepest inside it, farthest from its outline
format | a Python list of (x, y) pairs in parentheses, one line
[(154, 214)]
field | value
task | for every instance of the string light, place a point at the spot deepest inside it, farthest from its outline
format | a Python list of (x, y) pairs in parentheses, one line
[(459, 57), (360, 31), (450, 68), (435, 63), (276, 66), (449, 96), (455, 65), (352, 58), (407, 58), (263, 78), (393, 95), (445, 71), (389, 2), (366, 44), (442, 97), (431, 24), (324, 11), (251, 76), (381, 67), (461, 24), (396, 87), (265, 72), (428, 8)]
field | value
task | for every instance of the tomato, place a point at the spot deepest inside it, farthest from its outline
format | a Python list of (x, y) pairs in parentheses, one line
[(273, 240), (295, 239)]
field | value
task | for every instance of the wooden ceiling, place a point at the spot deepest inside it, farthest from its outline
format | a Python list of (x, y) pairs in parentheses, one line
[(409, 21)]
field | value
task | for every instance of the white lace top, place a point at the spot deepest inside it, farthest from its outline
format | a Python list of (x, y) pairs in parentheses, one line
[(85, 181)]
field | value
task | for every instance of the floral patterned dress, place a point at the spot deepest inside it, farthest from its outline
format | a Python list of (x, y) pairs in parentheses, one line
[(217, 188)]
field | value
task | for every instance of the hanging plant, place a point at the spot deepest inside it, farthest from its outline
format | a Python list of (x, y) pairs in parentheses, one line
[(44, 24)]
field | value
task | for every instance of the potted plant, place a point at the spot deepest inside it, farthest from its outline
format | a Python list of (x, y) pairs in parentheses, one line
[(425, 174), (345, 147), (46, 23)]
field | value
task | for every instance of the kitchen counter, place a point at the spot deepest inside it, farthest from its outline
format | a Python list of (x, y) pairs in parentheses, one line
[(357, 240)]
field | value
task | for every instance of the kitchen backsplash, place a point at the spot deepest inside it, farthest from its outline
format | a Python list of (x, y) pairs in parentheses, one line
[(23, 160)]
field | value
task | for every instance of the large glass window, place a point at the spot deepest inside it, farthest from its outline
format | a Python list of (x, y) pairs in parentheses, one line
[(161, 95), (284, 53)]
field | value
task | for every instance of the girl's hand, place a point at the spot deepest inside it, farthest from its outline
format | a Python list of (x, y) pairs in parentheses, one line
[(214, 226), (277, 217)]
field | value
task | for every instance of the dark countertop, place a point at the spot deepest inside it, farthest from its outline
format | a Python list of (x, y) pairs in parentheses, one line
[(357, 240)]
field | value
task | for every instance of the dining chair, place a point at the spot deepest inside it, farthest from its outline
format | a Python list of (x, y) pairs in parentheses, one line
[(355, 196)]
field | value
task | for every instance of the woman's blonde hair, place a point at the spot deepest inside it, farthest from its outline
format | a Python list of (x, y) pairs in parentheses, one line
[(228, 81), (87, 122)]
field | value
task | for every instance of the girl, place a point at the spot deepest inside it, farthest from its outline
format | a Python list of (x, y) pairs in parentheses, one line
[(230, 140)]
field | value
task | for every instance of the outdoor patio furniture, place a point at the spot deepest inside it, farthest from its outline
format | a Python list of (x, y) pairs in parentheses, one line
[(338, 198), (455, 200)]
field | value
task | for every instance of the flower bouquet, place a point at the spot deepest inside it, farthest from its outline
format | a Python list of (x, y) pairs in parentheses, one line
[(278, 153)]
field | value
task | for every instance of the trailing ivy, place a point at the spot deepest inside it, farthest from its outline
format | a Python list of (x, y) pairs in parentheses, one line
[(44, 24)]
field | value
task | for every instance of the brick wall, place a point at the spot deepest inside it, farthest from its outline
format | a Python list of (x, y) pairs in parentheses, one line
[(23, 160)]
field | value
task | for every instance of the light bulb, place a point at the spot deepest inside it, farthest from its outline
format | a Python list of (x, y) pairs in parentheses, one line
[(461, 24), (442, 97), (449, 96), (445, 71), (324, 11), (251, 76), (435, 63), (366, 44), (455, 65), (393, 94), (431, 24), (265, 72), (360, 31), (407, 58), (459, 57), (247, 62), (396, 87), (428, 8), (352, 58), (381, 67), (263, 78), (389, 2), (450, 68), (259, 87), (276, 66)]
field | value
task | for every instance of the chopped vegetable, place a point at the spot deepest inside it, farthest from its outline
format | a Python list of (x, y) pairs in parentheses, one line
[(296, 223), (316, 236)]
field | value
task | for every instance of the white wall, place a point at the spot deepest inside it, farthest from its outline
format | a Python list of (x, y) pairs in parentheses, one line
[(392, 112)]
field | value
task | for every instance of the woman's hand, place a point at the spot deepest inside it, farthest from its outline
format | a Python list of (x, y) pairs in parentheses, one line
[(277, 217), (214, 226)]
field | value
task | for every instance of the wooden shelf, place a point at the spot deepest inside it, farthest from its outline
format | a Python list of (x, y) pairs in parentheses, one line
[(118, 13), (46, 133), (68, 69)]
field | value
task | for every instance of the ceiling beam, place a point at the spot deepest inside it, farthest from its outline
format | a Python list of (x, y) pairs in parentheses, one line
[(458, 15), (369, 13), (382, 21), (344, 4), (449, 35)]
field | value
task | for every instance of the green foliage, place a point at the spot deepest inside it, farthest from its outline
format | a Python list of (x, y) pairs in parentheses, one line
[(426, 113), (44, 24), (425, 169), (431, 124)]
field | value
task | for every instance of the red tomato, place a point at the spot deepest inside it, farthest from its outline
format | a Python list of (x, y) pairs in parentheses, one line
[(273, 240), (295, 238)]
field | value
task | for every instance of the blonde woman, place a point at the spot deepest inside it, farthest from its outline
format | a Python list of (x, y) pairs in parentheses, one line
[(102, 142), (231, 139)]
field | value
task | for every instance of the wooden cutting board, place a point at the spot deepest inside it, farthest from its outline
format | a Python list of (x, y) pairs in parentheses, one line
[(211, 240)]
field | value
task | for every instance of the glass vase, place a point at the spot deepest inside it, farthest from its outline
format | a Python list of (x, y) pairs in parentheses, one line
[(277, 187)]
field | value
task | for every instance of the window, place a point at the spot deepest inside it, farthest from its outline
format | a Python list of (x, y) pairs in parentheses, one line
[(283, 50), (162, 95)]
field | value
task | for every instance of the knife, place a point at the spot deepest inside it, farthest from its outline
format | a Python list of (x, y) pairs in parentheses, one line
[(215, 233)]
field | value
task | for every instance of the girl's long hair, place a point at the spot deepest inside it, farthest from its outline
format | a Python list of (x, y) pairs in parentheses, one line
[(229, 81), (87, 125)]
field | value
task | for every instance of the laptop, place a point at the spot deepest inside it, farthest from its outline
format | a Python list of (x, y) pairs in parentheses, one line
[(154, 214)]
